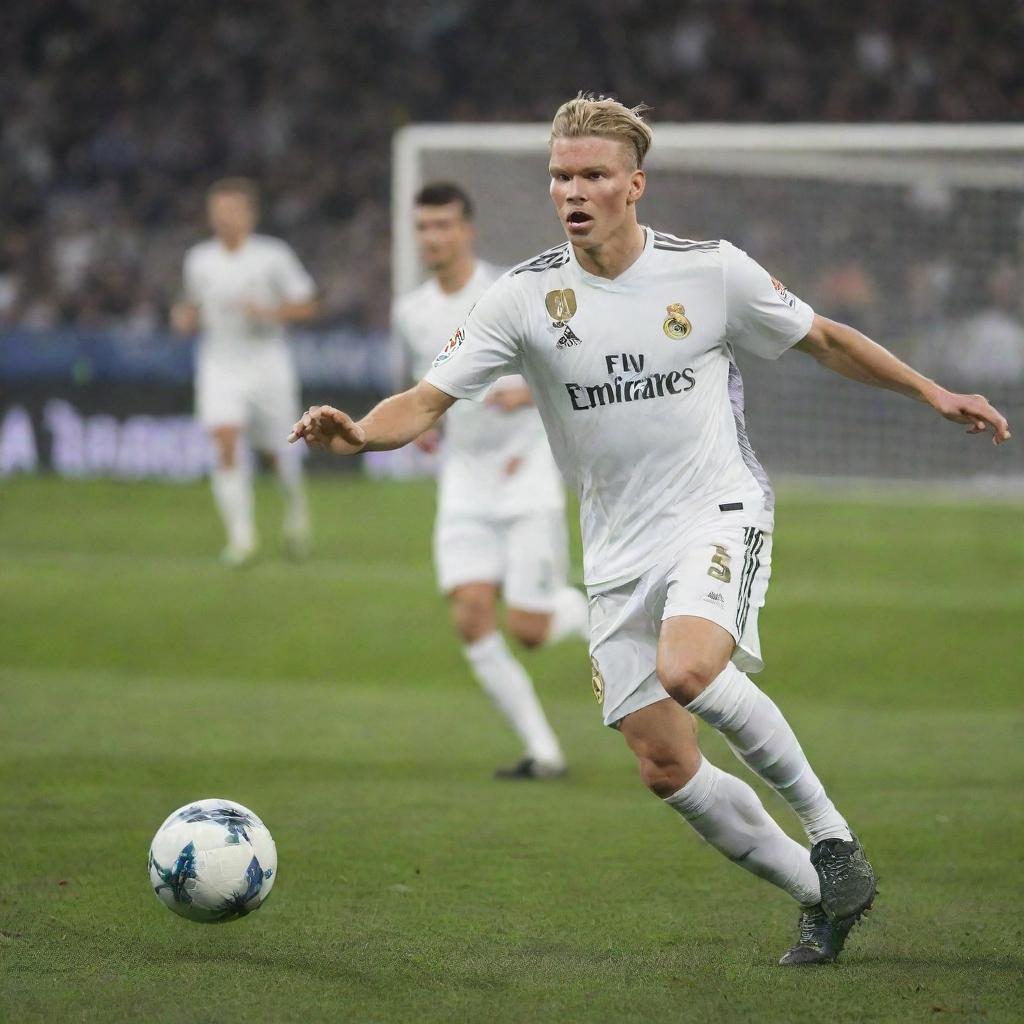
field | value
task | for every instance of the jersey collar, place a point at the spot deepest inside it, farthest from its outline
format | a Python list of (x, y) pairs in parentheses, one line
[(624, 279)]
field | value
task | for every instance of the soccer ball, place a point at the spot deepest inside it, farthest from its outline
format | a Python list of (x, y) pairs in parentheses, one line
[(212, 861)]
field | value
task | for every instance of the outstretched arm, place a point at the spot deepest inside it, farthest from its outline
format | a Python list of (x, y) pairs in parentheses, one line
[(391, 424), (285, 313), (848, 352)]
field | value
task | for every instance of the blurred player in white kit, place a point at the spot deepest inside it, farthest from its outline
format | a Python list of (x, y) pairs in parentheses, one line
[(241, 290), (500, 525)]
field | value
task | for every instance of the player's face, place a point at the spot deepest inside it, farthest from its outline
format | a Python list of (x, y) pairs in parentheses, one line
[(231, 215), (594, 187), (443, 234)]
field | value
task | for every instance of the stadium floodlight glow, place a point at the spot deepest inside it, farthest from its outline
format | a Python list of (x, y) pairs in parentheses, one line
[(899, 229)]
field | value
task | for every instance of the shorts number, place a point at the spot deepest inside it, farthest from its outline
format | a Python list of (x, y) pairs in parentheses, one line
[(719, 568)]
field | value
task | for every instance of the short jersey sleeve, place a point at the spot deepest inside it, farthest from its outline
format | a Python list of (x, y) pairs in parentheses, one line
[(761, 315), (291, 276), (484, 348)]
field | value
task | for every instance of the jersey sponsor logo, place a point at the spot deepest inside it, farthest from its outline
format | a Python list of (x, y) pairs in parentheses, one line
[(783, 293), (676, 325), (596, 680), (454, 344), (561, 304), (622, 388)]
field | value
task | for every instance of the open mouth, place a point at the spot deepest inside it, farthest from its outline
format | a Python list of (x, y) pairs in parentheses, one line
[(578, 217)]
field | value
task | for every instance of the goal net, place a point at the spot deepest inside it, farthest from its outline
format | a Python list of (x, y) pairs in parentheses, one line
[(912, 233)]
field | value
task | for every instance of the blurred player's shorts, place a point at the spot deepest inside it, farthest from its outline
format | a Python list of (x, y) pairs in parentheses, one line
[(264, 404), (525, 555)]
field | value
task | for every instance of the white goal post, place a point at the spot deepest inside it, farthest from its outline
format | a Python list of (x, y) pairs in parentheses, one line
[(913, 233)]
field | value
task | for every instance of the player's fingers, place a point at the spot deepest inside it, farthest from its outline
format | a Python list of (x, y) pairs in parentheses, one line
[(349, 429)]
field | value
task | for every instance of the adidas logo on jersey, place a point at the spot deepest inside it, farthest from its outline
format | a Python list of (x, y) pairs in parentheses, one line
[(568, 337), (712, 596)]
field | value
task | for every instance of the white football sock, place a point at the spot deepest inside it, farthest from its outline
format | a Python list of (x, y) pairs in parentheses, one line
[(569, 617), (760, 737), (288, 466), (727, 813), (505, 681), (232, 493)]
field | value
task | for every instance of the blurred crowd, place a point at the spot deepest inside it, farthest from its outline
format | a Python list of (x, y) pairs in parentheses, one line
[(118, 114)]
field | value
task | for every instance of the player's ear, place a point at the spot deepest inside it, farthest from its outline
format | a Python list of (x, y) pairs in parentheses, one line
[(637, 184)]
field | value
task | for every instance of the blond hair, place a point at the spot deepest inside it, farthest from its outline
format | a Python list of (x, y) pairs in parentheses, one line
[(606, 118)]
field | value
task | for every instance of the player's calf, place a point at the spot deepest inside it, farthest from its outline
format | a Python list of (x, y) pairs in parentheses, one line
[(531, 629), (663, 738)]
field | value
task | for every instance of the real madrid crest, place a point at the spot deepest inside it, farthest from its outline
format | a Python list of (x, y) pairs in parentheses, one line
[(676, 325), (597, 680), (561, 304)]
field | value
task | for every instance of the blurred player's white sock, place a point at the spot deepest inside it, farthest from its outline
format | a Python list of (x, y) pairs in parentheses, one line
[(727, 813), (505, 681), (232, 492), (760, 737), (569, 617), (288, 466)]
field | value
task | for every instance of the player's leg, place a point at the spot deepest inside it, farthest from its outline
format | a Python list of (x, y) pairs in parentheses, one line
[(232, 493), (468, 556), (541, 608), (695, 668), (720, 807), (275, 406), (625, 623), (221, 408), (696, 650), (286, 465)]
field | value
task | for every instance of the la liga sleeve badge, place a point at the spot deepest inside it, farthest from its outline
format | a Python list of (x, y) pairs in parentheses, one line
[(454, 344)]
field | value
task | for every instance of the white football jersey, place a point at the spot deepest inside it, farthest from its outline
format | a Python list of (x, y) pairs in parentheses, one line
[(481, 443), (637, 385), (220, 281)]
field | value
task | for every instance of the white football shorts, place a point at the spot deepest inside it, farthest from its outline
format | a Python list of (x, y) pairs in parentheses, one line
[(264, 404), (525, 556), (720, 573)]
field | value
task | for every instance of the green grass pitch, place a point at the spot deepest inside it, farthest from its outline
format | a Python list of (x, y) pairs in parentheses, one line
[(136, 674)]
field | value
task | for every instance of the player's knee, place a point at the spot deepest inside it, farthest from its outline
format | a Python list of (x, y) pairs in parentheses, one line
[(529, 628), (685, 678), (473, 617), (226, 446)]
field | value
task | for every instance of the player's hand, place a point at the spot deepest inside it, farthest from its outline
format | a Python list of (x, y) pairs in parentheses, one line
[(184, 318), (262, 314), (323, 426), (429, 441), (508, 399), (975, 411)]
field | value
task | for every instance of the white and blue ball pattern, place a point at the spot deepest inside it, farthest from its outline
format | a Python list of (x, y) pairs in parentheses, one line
[(212, 861)]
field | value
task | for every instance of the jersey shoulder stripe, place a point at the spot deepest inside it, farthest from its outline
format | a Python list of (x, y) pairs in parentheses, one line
[(557, 256), (674, 244)]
